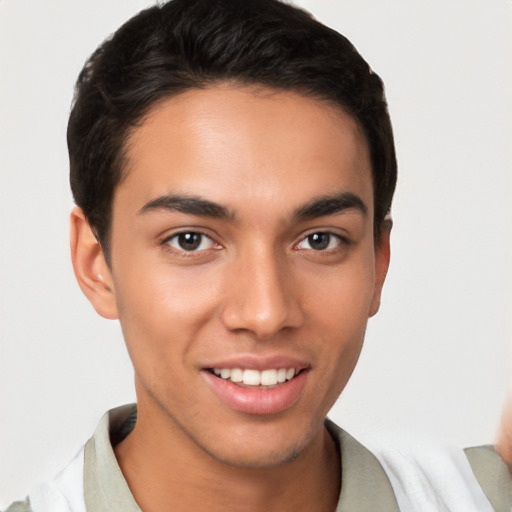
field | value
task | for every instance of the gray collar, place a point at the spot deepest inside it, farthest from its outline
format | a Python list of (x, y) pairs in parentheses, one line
[(365, 486)]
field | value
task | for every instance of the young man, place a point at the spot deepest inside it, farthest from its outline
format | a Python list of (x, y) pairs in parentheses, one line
[(233, 167)]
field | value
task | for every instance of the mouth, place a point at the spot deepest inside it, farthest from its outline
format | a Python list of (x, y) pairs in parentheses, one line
[(255, 379), (257, 392)]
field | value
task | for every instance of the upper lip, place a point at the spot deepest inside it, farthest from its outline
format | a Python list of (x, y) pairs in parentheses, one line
[(260, 363)]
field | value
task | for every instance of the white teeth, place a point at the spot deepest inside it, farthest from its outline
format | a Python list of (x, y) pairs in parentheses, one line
[(225, 373), (252, 377), (269, 377), (249, 377), (236, 375)]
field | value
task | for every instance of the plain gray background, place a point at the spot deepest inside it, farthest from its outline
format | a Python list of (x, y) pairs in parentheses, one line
[(436, 360)]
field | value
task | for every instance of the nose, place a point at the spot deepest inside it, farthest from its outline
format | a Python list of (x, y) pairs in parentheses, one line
[(262, 296)]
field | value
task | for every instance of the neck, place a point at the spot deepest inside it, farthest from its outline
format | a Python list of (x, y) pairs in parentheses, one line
[(166, 470)]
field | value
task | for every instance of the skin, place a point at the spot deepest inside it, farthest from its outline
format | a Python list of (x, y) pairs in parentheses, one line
[(504, 443), (255, 287)]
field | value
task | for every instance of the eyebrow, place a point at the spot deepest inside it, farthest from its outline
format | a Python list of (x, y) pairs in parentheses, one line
[(191, 205), (330, 205)]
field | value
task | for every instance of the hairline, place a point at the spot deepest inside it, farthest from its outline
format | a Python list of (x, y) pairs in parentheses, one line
[(122, 161)]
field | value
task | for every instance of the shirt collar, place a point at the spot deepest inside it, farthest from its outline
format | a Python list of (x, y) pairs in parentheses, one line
[(364, 485)]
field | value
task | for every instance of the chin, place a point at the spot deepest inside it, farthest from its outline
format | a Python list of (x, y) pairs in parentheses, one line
[(259, 450), (257, 459)]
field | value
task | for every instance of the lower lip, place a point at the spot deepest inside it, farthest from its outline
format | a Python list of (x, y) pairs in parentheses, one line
[(257, 401)]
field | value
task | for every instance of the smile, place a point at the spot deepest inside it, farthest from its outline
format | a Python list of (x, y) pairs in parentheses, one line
[(257, 392), (252, 378)]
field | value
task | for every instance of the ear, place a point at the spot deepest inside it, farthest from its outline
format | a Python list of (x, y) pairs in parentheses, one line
[(382, 255), (91, 270)]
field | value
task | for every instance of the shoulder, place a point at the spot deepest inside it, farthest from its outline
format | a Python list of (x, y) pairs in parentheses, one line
[(365, 485), (493, 475), (428, 476), (63, 493), (93, 468), (20, 506)]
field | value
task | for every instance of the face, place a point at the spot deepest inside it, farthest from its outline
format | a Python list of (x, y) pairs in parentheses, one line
[(243, 267)]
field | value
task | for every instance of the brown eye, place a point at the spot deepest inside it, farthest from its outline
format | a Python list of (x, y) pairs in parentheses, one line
[(320, 241), (190, 242)]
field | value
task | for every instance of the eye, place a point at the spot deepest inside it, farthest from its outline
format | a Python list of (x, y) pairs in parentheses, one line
[(190, 242), (320, 241)]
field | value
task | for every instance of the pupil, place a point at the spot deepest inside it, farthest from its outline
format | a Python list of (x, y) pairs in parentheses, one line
[(319, 241), (189, 241)]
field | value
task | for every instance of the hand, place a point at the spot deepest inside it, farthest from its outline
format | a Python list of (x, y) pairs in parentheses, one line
[(504, 443)]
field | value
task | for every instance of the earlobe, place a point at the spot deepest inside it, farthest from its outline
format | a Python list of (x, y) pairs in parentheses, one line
[(382, 256), (91, 270)]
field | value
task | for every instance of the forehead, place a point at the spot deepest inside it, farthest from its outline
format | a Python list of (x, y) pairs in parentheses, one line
[(235, 145)]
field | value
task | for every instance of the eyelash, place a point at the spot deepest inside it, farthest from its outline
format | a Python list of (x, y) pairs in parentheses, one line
[(166, 242), (342, 242)]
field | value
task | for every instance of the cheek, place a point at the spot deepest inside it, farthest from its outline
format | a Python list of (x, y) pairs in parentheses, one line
[(341, 311), (344, 298), (162, 308)]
